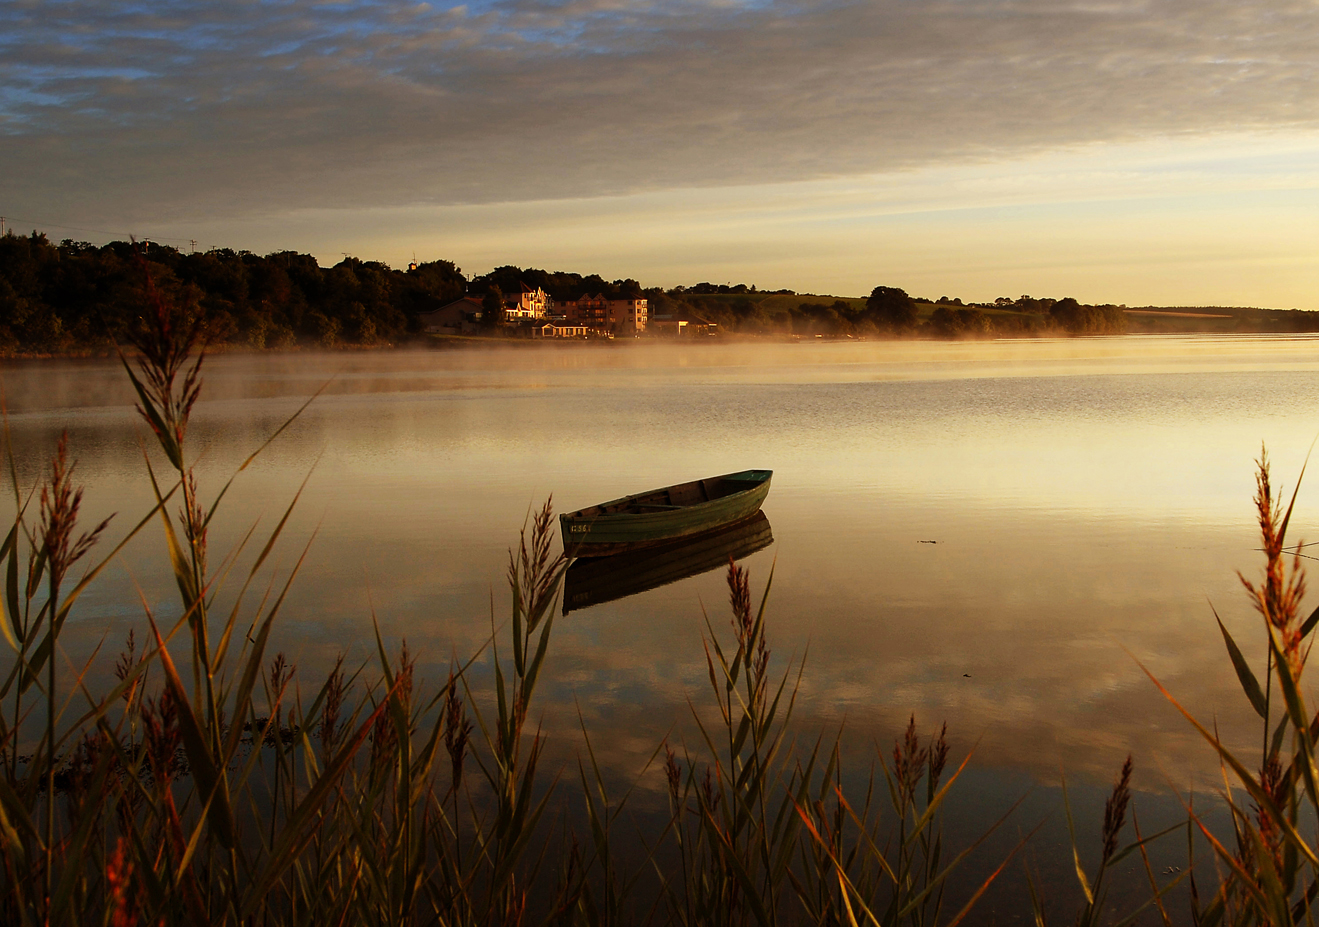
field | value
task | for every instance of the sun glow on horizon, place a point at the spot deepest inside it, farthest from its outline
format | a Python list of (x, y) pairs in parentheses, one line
[(1223, 220)]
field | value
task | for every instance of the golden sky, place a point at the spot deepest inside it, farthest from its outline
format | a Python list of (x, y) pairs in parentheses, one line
[(1133, 151)]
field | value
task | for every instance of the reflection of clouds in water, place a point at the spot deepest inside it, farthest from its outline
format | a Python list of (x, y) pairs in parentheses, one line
[(35, 386), (1075, 515), (57, 384)]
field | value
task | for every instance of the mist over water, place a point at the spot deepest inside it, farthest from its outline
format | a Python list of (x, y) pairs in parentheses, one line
[(53, 385), (1088, 500)]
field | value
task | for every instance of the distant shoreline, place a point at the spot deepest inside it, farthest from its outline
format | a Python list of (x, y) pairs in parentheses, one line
[(451, 343), (1179, 315), (76, 300)]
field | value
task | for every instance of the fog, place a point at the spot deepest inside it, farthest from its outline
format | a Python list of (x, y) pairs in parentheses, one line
[(52, 385)]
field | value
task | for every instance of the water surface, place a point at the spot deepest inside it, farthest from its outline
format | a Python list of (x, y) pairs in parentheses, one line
[(991, 535)]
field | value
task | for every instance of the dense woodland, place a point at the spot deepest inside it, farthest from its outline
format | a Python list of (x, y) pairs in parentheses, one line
[(75, 296), (57, 298)]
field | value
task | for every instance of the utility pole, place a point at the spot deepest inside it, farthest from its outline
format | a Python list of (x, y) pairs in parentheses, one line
[(192, 245), (2, 226)]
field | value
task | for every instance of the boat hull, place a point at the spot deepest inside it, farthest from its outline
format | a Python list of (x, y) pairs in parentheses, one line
[(628, 523)]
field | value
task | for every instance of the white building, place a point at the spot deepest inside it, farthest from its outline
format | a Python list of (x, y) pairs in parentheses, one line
[(529, 304)]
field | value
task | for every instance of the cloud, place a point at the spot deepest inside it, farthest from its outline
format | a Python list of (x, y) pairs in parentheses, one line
[(182, 108)]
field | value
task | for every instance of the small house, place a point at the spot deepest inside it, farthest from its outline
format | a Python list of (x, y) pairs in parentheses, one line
[(460, 316)]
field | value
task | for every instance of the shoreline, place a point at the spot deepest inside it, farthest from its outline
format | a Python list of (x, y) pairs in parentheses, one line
[(436, 342)]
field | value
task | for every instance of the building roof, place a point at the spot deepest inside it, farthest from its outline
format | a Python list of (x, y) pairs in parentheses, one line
[(466, 304)]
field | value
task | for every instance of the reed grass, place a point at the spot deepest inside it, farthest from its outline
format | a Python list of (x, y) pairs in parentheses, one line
[(1269, 862), (212, 784)]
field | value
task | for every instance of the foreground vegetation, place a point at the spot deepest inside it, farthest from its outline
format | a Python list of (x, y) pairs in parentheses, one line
[(210, 784)]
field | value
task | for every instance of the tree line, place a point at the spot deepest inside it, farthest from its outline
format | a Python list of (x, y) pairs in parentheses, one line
[(76, 296), (892, 312)]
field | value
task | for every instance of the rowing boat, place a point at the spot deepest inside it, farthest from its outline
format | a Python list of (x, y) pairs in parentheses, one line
[(665, 514)]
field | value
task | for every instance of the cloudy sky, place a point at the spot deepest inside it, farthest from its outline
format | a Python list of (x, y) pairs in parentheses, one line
[(1134, 151)]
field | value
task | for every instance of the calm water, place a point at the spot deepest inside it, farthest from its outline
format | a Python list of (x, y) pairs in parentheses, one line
[(1089, 500)]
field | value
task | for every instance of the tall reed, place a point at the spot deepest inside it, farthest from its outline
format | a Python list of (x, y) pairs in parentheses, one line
[(764, 831), (1270, 867)]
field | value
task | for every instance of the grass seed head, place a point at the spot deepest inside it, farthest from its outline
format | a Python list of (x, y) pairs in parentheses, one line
[(384, 734), (457, 729), (938, 756), (60, 502), (160, 721), (124, 904), (739, 598), (126, 663), (672, 773), (170, 338), (280, 674), (328, 730), (909, 759), (709, 792), (1115, 809), (1278, 595)]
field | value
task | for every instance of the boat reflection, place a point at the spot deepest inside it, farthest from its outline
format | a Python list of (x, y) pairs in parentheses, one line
[(603, 579)]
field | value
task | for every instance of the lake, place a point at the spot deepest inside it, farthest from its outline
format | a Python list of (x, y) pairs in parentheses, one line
[(993, 535)]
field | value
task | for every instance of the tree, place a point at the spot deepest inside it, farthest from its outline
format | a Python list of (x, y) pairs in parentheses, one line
[(1077, 319), (492, 307), (441, 281), (750, 316), (955, 323), (891, 308)]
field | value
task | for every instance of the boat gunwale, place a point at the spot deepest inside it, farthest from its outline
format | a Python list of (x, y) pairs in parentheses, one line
[(604, 534), (668, 514)]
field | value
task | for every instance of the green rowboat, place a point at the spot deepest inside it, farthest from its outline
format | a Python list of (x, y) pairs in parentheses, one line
[(664, 514)]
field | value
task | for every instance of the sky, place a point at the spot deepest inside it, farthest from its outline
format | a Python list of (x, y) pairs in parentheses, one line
[(1142, 152)]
